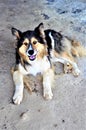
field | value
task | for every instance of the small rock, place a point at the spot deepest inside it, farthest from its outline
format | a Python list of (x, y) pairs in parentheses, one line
[(76, 11), (24, 115), (63, 121), (46, 17)]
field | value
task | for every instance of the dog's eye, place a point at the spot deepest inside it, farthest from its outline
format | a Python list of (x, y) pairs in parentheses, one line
[(25, 44), (35, 42)]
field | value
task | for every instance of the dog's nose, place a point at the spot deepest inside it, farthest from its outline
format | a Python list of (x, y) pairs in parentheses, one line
[(30, 52)]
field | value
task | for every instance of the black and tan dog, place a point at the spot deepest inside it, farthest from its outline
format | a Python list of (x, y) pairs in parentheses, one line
[(36, 51)]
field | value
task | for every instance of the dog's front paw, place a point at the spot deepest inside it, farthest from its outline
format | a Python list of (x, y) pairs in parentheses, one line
[(17, 98), (48, 95), (76, 72)]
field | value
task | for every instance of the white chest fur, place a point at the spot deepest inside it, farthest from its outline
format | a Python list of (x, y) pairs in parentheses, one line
[(39, 66)]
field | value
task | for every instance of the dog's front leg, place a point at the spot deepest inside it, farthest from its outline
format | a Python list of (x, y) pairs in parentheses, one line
[(18, 81), (48, 77)]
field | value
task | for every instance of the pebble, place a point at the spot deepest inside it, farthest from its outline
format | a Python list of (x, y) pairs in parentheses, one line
[(24, 115)]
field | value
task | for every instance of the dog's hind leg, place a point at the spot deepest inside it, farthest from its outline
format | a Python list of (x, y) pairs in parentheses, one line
[(48, 78), (72, 64), (18, 81), (66, 59)]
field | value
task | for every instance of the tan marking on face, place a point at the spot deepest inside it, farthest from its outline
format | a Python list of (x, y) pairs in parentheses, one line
[(40, 48), (22, 52), (26, 41), (42, 51), (33, 40)]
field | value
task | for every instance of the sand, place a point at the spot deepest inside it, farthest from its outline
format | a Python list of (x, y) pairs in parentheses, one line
[(67, 109)]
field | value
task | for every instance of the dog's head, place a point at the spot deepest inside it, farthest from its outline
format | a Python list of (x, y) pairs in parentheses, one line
[(31, 45)]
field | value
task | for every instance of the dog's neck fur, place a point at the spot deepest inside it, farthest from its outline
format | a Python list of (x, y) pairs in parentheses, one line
[(38, 66)]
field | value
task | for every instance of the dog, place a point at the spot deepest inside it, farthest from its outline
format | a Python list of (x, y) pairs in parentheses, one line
[(36, 51)]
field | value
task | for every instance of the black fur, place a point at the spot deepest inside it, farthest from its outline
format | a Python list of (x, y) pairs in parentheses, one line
[(43, 39), (57, 37)]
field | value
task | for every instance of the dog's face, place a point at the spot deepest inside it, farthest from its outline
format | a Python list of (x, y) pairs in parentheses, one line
[(31, 45)]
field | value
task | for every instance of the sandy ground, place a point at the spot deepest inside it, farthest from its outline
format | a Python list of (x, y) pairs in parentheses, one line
[(67, 109)]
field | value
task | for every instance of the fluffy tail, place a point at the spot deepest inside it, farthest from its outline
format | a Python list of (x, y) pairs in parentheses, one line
[(77, 49)]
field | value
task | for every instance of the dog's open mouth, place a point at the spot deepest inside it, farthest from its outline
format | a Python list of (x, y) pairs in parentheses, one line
[(31, 54), (32, 57)]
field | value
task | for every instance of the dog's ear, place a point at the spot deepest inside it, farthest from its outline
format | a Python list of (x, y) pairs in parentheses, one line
[(40, 30), (17, 33)]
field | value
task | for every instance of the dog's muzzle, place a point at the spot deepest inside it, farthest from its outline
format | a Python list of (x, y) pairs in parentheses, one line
[(31, 53)]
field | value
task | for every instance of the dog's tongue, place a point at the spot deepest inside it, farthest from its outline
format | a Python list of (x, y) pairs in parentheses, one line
[(32, 57)]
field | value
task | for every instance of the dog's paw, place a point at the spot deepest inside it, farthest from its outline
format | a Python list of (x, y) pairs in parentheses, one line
[(76, 72), (48, 95), (17, 98), (68, 68)]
